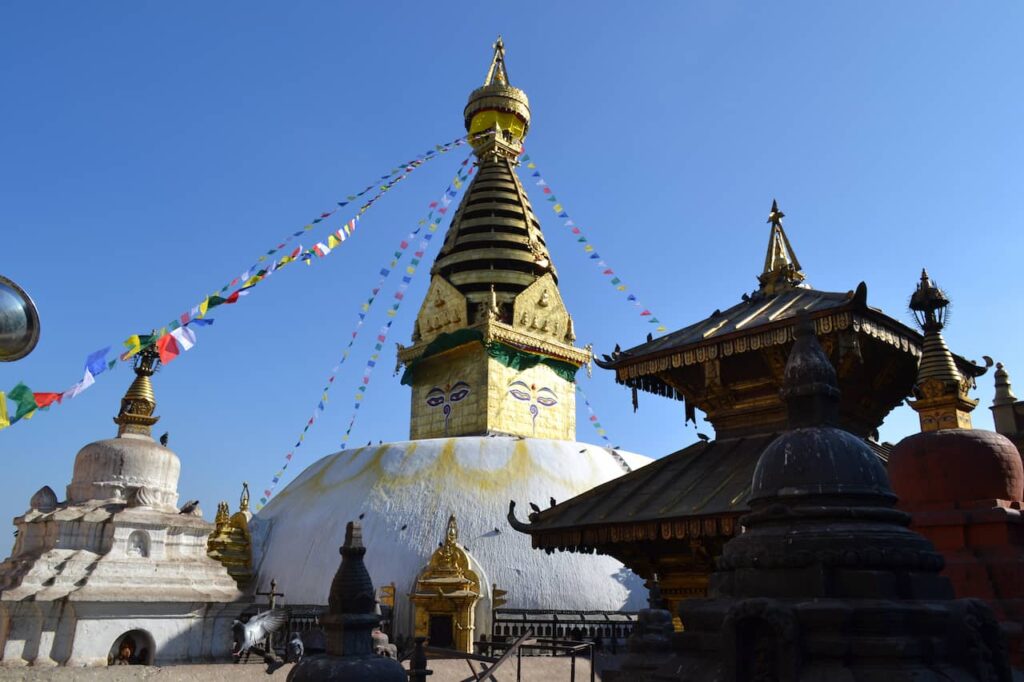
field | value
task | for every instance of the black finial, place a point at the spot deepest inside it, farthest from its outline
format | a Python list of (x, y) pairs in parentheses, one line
[(929, 304), (810, 387)]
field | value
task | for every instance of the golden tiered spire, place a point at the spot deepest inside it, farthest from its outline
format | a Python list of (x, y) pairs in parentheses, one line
[(942, 391), (493, 342), (781, 267), (139, 403)]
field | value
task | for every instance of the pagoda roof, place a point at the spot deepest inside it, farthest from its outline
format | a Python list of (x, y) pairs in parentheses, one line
[(701, 482), (755, 314)]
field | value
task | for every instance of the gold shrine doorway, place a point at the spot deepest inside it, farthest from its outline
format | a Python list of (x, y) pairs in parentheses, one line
[(446, 594)]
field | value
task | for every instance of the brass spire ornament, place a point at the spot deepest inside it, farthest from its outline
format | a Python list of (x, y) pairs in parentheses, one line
[(781, 267), (497, 115), (941, 390), (139, 403)]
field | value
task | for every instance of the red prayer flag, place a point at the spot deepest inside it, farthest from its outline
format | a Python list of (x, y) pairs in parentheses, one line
[(232, 298), (296, 251), (646, 312), (44, 399), (168, 348)]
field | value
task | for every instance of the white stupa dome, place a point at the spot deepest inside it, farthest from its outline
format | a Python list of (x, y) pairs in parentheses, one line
[(405, 492)]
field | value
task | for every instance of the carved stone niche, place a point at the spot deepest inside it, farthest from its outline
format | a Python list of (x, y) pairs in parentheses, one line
[(540, 311)]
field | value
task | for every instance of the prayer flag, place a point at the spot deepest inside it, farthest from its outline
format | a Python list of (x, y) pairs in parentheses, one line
[(201, 322), (46, 399), (86, 382), (185, 337), (97, 361), (26, 402), (168, 348), (4, 421), (134, 346)]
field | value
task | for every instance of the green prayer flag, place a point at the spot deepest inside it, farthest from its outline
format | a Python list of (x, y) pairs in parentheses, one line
[(22, 395)]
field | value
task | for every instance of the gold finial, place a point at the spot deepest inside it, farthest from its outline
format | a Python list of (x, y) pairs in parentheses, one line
[(243, 501), (139, 403), (223, 516), (781, 267), (942, 391), (497, 72)]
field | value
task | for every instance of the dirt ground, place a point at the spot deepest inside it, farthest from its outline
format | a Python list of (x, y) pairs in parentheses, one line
[(543, 669)]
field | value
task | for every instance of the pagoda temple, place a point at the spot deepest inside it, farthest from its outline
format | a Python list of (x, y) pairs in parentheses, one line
[(673, 517)]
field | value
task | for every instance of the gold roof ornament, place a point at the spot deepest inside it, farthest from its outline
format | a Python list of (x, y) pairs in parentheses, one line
[(139, 403), (781, 267), (942, 391), (231, 541)]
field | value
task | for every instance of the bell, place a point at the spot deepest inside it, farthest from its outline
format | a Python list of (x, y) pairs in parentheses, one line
[(19, 322)]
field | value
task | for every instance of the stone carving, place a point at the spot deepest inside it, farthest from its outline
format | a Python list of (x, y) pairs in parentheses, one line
[(539, 310), (443, 310), (138, 544)]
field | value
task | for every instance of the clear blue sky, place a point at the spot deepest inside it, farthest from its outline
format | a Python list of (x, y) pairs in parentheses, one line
[(151, 151)]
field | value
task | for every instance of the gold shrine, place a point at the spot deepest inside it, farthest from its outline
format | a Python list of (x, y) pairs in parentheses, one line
[(493, 342), (446, 594), (230, 543)]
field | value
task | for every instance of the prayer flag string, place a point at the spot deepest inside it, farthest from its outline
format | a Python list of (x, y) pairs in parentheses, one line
[(431, 223), (588, 247), (596, 423), (173, 338)]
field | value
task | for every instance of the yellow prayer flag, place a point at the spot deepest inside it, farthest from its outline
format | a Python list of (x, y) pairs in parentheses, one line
[(134, 346), (262, 258), (307, 227), (332, 241), (30, 415), (588, 248), (621, 288), (558, 208), (203, 307), (4, 421)]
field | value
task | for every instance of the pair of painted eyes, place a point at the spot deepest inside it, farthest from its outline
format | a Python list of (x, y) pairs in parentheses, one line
[(436, 396), (545, 396)]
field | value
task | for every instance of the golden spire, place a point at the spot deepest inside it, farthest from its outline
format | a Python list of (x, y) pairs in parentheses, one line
[(139, 403), (781, 267), (497, 115), (942, 391)]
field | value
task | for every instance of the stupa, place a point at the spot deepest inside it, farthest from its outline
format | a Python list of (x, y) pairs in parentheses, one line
[(964, 487), (492, 369), (116, 573)]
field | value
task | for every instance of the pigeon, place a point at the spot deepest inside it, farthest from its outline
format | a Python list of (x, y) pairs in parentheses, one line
[(248, 635), (745, 297), (553, 503), (583, 450), (534, 507), (362, 515), (650, 337), (163, 438), (369, 443), (496, 530), (618, 348), (404, 526), (704, 437), (295, 649), (190, 507)]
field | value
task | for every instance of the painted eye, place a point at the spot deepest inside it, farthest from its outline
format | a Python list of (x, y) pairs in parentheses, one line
[(458, 395), (519, 395), (546, 401), (435, 399)]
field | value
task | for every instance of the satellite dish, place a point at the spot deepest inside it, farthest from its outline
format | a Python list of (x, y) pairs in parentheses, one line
[(19, 322)]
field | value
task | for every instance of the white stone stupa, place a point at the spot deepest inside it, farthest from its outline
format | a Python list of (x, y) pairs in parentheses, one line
[(116, 573), (492, 369)]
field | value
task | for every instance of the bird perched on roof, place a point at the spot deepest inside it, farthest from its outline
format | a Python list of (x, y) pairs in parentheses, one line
[(553, 503), (191, 507), (362, 515), (163, 438), (294, 651), (404, 526), (704, 437), (248, 635), (650, 336), (534, 507)]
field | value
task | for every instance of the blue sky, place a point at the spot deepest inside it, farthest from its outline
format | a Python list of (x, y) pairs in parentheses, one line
[(150, 152)]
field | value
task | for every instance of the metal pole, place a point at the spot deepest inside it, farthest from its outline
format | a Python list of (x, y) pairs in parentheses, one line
[(572, 667), (593, 661), (519, 663)]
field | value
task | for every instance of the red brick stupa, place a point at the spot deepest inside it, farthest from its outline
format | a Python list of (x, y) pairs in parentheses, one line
[(962, 486)]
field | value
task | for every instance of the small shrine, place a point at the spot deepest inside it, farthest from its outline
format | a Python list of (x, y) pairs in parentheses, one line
[(964, 487), (1007, 411), (116, 573), (446, 595), (231, 543)]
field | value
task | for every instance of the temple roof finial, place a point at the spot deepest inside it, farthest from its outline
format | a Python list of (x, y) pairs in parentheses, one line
[(781, 267), (497, 115)]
